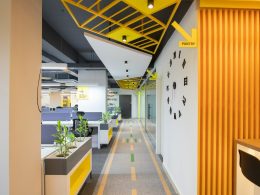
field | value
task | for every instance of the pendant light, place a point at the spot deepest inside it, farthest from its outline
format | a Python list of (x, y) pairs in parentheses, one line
[(150, 4)]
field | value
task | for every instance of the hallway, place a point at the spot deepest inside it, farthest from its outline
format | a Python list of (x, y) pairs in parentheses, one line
[(131, 166)]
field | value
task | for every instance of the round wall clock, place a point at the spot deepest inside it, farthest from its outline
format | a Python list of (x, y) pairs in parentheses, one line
[(177, 80)]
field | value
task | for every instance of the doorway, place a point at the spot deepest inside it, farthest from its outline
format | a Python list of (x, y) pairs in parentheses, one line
[(125, 103)]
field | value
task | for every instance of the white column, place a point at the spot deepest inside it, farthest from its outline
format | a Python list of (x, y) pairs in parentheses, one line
[(96, 83), (20, 60)]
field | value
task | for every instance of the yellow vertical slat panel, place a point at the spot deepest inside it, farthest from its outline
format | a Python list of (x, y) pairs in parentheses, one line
[(229, 92), (220, 93), (257, 72)]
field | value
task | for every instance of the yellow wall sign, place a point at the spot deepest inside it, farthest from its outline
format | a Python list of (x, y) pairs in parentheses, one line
[(82, 93), (66, 102), (191, 40)]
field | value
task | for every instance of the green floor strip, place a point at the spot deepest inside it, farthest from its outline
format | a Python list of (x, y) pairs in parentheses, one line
[(132, 157)]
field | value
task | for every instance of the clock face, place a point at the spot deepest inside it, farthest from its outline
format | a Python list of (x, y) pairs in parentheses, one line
[(177, 80)]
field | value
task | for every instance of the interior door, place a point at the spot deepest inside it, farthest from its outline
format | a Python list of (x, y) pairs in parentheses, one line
[(125, 105)]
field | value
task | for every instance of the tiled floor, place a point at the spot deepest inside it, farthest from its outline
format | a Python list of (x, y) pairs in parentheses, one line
[(131, 167)]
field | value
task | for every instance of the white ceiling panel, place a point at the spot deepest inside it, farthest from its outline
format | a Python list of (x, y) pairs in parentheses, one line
[(114, 55)]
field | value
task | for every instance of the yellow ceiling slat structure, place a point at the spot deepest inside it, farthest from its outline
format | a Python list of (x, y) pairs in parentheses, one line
[(131, 84), (133, 19)]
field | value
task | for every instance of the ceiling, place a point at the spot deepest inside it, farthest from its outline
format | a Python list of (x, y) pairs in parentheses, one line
[(64, 41), (123, 62)]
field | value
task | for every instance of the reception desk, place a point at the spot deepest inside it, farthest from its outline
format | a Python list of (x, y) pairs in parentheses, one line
[(247, 174)]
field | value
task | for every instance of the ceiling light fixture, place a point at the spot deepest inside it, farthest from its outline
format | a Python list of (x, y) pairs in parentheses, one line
[(124, 38), (150, 4), (54, 66), (126, 70), (126, 62), (127, 76)]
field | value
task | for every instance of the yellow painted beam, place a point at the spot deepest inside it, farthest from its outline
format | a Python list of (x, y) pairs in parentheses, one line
[(93, 12), (145, 29), (70, 12), (103, 16), (146, 46), (147, 22), (168, 23), (122, 10), (242, 4)]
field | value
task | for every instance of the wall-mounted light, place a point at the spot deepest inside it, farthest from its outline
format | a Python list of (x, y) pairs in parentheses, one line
[(124, 38), (150, 4)]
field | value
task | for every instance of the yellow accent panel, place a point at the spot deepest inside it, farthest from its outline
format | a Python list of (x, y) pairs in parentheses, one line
[(142, 5), (119, 32), (117, 123), (80, 174), (243, 4), (229, 92), (110, 133), (131, 84)]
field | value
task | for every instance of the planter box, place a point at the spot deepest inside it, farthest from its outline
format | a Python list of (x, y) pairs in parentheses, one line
[(67, 175), (106, 132)]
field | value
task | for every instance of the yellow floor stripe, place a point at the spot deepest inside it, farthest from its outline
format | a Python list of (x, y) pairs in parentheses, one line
[(132, 147), (133, 174), (108, 165), (134, 192), (159, 172)]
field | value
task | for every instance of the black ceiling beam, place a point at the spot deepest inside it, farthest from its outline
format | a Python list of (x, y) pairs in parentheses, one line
[(54, 39), (87, 65), (51, 57)]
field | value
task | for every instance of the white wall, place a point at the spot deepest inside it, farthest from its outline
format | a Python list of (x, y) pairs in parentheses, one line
[(179, 137), (96, 82), (134, 98), (55, 99)]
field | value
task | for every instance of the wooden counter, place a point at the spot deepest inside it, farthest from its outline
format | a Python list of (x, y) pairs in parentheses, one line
[(250, 143)]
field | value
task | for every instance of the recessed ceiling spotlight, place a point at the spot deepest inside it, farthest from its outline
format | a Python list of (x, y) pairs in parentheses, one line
[(150, 4), (126, 62), (126, 70), (127, 76), (124, 38)]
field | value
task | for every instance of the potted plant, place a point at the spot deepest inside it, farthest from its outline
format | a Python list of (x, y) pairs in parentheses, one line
[(61, 139), (106, 117), (72, 140), (117, 110), (82, 128)]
